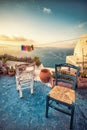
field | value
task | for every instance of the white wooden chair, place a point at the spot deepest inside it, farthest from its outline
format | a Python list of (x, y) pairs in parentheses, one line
[(24, 77)]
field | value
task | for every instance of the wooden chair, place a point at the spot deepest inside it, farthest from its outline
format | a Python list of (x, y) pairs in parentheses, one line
[(24, 77), (63, 93)]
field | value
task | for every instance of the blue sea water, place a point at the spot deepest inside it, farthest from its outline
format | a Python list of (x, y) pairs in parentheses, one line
[(51, 56)]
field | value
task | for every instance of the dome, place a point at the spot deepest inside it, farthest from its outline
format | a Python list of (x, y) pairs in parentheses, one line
[(81, 47)]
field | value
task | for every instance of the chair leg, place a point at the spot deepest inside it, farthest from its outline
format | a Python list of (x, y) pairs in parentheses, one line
[(32, 91), (47, 106), (31, 87), (17, 84), (72, 115), (20, 92)]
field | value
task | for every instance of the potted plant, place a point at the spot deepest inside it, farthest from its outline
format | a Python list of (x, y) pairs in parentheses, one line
[(37, 61), (4, 60), (11, 71)]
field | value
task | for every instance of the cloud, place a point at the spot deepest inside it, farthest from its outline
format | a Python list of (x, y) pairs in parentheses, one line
[(14, 38), (47, 10), (82, 25), (4, 37)]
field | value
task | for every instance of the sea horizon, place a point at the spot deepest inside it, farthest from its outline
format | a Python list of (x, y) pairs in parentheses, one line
[(49, 56)]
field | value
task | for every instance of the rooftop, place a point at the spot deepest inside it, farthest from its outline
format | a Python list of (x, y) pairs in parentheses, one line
[(28, 113)]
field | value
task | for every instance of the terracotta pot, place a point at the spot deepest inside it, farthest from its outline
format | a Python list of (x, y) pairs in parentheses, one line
[(82, 83), (45, 75), (11, 73)]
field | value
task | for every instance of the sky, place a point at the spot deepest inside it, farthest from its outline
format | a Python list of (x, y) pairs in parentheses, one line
[(42, 21)]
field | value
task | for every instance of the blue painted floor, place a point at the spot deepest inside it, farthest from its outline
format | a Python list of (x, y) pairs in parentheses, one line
[(28, 113)]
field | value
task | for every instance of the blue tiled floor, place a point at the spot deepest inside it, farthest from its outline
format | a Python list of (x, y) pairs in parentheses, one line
[(28, 113)]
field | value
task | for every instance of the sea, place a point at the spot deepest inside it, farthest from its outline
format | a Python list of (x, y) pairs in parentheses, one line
[(51, 56)]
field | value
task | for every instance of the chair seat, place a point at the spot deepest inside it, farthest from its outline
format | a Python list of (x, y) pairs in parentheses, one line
[(63, 94)]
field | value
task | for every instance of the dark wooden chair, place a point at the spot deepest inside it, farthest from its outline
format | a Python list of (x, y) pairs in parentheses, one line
[(63, 93)]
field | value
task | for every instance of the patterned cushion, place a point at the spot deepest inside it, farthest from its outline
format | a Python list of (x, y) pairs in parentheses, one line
[(63, 94)]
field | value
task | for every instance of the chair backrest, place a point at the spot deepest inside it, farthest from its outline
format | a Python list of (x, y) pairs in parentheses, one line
[(66, 73), (25, 71)]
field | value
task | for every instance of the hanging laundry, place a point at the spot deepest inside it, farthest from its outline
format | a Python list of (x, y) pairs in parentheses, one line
[(23, 48), (32, 47), (27, 47)]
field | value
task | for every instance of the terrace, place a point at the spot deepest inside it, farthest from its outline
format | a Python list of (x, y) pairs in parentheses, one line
[(28, 113)]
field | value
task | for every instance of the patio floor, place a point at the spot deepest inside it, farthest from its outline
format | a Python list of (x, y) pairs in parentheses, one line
[(28, 113)]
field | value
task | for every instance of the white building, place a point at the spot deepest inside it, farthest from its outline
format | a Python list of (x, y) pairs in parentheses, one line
[(79, 58)]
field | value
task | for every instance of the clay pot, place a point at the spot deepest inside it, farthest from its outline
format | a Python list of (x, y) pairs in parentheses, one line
[(11, 73), (82, 82), (45, 75)]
